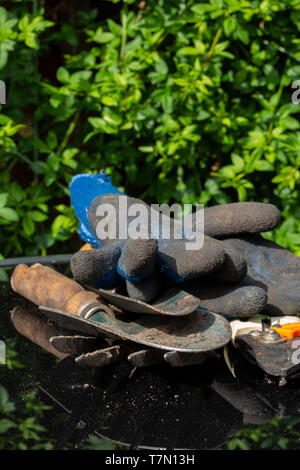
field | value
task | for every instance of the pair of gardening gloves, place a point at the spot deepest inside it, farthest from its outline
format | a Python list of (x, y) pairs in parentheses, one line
[(236, 273)]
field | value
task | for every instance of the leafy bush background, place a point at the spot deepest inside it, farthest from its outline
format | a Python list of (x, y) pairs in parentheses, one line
[(180, 101)]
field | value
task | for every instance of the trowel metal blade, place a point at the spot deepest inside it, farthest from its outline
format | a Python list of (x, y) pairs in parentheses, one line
[(174, 302), (200, 331)]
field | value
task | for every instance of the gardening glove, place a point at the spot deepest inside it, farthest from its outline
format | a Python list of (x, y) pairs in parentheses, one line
[(99, 268), (228, 291), (270, 266), (240, 218), (232, 300), (274, 268), (83, 189), (140, 259), (172, 257)]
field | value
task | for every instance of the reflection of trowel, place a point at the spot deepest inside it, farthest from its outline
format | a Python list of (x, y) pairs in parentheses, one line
[(67, 303), (274, 347)]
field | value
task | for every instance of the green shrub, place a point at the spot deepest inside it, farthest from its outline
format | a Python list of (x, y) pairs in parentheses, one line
[(182, 101)]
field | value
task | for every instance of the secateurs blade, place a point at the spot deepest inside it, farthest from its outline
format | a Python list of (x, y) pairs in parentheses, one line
[(274, 347)]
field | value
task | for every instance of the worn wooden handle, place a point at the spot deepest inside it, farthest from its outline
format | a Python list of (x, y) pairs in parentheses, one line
[(44, 286)]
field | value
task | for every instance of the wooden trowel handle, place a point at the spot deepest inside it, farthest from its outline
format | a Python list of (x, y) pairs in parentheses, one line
[(44, 286)]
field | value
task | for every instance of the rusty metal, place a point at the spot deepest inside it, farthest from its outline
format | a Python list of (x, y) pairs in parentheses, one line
[(30, 323)]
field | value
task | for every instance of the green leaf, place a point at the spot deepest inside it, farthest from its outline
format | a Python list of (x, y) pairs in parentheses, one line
[(6, 406), (63, 75), (3, 199), (146, 148), (229, 25), (9, 214), (263, 165), (5, 425), (3, 15), (37, 216), (112, 117), (237, 161), (3, 56), (190, 51), (51, 140), (28, 225), (103, 37)]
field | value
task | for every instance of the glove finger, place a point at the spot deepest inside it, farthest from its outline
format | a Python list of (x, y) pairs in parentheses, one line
[(175, 260), (97, 268), (274, 268), (238, 300), (137, 260), (117, 207), (233, 269), (283, 297), (240, 217), (181, 264), (146, 290)]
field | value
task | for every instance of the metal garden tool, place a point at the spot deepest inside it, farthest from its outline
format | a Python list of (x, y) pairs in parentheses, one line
[(274, 346), (89, 350), (72, 307)]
